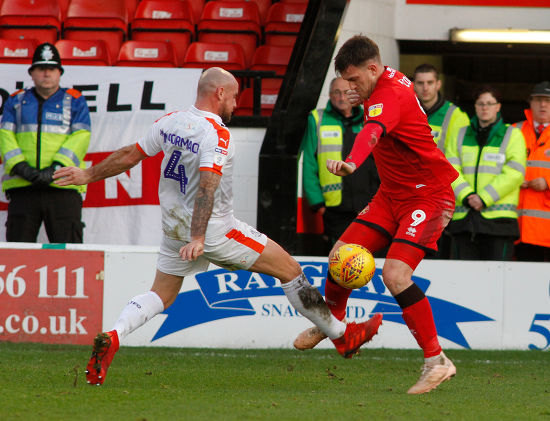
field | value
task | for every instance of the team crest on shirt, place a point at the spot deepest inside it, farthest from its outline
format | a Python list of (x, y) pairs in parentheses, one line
[(375, 110)]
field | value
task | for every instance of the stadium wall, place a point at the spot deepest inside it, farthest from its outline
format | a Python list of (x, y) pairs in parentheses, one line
[(67, 295)]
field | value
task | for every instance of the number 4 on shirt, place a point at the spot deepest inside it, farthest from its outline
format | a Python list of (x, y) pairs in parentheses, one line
[(175, 171)]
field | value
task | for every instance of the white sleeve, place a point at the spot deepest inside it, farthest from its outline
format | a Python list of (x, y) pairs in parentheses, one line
[(151, 143), (215, 149)]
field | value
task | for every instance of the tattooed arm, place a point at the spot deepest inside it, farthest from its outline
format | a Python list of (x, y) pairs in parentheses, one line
[(204, 201)]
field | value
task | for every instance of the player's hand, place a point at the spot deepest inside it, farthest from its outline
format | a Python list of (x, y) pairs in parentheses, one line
[(538, 184), (192, 250), (67, 176), (475, 202), (340, 168), (353, 97)]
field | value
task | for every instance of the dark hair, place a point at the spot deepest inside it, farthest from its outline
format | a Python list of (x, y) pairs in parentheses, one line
[(426, 68), (355, 52), (487, 89)]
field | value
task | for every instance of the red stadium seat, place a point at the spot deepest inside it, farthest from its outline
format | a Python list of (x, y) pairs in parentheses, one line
[(164, 20), (231, 22), (147, 54), (84, 53), (245, 105), (274, 58), (203, 55), (283, 23), (98, 19), (196, 7), (17, 50), (36, 19), (263, 8)]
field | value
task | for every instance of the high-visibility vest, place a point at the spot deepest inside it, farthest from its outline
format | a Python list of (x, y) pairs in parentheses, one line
[(331, 139), (445, 122), (495, 172), (534, 206), (64, 133)]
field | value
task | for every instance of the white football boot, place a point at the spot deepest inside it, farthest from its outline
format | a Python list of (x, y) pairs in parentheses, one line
[(433, 374)]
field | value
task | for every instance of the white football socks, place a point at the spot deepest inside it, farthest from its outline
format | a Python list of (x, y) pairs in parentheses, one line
[(137, 312), (309, 302)]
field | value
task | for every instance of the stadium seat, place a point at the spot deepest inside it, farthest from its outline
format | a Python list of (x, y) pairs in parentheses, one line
[(63, 7), (98, 19), (274, 58), (283, 23), (263, 8), (245, 105), (35, 19), (17, 50), (231, 22), (147, 54), (84, 53), (204, 54), (164, 20), (196, 7)]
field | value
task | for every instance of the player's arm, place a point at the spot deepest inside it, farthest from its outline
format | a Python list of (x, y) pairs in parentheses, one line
[(202, 209), (364, 143), (116, 163)]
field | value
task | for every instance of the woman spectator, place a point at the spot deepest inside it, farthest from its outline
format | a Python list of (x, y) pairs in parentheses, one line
[(490, 158)]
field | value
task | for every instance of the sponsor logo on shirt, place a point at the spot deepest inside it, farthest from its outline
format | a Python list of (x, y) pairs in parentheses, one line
[(180, 141), (411, 231), (220, 156), (375, 110)]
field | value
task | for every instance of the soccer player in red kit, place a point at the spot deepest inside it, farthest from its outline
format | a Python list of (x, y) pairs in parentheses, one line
[(413, 205)]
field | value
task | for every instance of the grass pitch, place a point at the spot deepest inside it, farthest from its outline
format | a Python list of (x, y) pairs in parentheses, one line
[(41, 382)]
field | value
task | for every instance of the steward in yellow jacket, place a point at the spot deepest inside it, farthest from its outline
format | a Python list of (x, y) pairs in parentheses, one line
[(491, 164)]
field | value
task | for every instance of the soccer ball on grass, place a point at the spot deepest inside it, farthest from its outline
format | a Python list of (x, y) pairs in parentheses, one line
[(352, 266)]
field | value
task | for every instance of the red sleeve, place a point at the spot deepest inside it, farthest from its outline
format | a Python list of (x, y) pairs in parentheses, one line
[(365, 142), (383, 107)]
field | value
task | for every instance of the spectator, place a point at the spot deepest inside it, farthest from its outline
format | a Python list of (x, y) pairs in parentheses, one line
[(43, 128), (534, 196), (490, 158), (330, 134), (445, 118)]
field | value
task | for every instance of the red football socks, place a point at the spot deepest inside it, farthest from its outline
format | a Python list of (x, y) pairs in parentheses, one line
[(337, 298), (419, 319)]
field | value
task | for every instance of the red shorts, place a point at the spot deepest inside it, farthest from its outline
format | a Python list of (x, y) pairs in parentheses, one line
[(418, 221)]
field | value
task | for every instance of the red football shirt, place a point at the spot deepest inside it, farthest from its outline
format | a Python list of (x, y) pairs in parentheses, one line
[(407, 158)]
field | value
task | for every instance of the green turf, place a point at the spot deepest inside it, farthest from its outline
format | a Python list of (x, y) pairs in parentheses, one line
[(40, 382)]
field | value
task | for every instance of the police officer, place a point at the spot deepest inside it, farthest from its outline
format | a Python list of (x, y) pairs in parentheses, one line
[(43, 128)]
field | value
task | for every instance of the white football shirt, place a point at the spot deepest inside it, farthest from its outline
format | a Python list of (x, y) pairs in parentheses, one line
[(192, 141)]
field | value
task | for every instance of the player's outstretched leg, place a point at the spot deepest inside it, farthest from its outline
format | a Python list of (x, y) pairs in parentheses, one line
[(356, 335), (106, 344), (434, 372), (337, 299)]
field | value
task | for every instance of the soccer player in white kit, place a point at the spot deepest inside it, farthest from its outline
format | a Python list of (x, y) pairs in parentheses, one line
[(195, 194)]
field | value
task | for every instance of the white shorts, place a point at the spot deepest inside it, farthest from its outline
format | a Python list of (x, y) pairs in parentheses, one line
[(232, 246)]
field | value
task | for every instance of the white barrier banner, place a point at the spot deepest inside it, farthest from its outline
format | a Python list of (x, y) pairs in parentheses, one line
[(478, 305), (123, 103)]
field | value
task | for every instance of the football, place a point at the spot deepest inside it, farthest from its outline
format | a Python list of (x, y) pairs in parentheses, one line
[(352, 266)]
